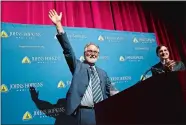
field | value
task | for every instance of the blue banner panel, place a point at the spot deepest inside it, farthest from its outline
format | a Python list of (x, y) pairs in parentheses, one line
[(32, 56)]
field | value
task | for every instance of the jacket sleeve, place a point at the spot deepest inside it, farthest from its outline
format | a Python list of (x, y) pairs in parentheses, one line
[(108, 86), (153, 72), (67, 51), (182, 66)]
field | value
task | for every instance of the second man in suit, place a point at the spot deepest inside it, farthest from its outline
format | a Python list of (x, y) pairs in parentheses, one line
[(166, 64)]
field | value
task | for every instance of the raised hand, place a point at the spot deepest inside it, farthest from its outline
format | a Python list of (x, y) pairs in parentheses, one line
[(55, 18), (169, 65), (34, 94)]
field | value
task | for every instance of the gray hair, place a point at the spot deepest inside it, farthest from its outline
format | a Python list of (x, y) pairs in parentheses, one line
[(87, 45)]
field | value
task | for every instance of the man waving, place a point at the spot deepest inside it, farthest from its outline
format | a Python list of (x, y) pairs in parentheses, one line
[(90, 84)]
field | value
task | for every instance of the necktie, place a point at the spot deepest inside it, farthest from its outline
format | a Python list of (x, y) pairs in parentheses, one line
[(96, 88)]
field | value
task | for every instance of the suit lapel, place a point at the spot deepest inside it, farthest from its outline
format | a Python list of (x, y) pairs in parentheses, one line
[(88, 72)]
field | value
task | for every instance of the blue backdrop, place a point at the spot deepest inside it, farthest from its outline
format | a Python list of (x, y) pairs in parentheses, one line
[(32, 56)]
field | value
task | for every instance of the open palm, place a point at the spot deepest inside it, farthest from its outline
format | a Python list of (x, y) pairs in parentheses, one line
[(55, 18)]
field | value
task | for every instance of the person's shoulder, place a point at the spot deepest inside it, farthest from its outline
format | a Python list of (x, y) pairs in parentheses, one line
[(182, 65), (157, 65), (179, 62), (102, 70)]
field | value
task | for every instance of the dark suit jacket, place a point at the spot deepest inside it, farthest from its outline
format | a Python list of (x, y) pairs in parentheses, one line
[(158, 68), (80, 80)]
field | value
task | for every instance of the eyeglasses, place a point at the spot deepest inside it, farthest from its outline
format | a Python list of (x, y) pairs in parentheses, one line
[(90, 51)]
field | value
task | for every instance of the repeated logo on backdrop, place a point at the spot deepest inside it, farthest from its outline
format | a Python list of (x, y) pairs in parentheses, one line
[(125, 56), (40, 59), (24, 87), (20, 87), (3, 34), (143, 39), (111, 38), (20, 34), (131, 58), (41, 114)]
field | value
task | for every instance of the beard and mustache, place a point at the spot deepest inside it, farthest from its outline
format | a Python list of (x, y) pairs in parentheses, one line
[(91, 58)]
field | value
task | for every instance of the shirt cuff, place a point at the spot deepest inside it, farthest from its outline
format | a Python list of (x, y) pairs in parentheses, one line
[(60, 33)]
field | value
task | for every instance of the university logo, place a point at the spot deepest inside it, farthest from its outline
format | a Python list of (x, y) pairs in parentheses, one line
[(41, 59), (131, 58), (4, 34), (20, 87), (121, 58), (61, 84), (111, 38), (135, 40), (27, 116), (4, 88), (26, 60), (20, 35), (55, 36), (144, 40), (82, 58), (100, 38)]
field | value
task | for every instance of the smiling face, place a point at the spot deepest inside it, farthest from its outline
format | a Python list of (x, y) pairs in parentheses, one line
[(163, 53), (91, 53)]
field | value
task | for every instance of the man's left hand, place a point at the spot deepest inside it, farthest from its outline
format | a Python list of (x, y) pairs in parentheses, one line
[(169, 65)]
